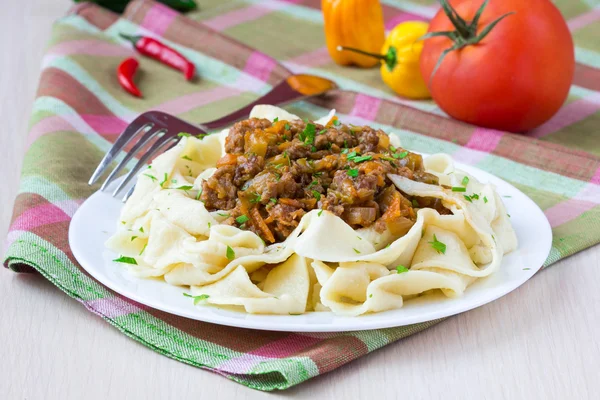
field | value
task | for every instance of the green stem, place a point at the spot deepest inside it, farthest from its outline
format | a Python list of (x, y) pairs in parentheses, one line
[(365, 53), (131, 38)]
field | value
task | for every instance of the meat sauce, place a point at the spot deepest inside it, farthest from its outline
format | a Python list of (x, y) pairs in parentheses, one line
[(273, 173)]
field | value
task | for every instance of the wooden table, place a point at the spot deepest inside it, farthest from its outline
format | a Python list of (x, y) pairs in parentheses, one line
[(540, 341)]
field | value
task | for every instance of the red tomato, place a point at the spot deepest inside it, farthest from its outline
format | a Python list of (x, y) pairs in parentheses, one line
[(516, 78)]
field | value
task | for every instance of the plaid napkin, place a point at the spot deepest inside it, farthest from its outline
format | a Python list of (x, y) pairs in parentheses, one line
[(80, 110)]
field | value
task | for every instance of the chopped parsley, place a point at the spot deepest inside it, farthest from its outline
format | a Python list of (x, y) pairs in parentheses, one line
[(345, 151), (242, 219), (126, 260), (465, 181), (392, 148), (141, 229), (184, 134), (276, 119), (485, 199), (401, 155), (273, 200), (186, 158), (356, 251), (438, 246), (255, 198), (230, 253), (401, 268), (319, 213), (151, 177), (186, 187), (322, 131), (371, 295), (308, 134), (352, 172), (209, 225), (475, 196), (458, 189), (133, 238), (313, 183), (165, 179), (468, 198), (316, 195), (287, 127), (143, 248), (197, 299), (336, 122), (360, 159)]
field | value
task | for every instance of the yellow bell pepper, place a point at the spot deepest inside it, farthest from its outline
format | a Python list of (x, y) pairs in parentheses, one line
[(399, 59), (353, 23)]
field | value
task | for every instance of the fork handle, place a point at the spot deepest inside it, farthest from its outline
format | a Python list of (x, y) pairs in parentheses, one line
[(281, 94)]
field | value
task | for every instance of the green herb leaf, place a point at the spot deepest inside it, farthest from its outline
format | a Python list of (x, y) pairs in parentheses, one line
[(287, 127), (356, 251), (345, 151), (198, 195), (308, 134), (415, 203), (475, 196), (133, 238), (186, 158), (165, 179), (230, 253), (465, 181), (151, 177), (141, 229), (468, 198), (223, 215), (485, 199), (401, 155), (401, 268), (126, 260), (184, 134), (336, 122), (322, 131), (143, 248), (197, 299), (316, 195), (273, 200), (255, 198), (319, 213), (242, 219), (458, 189), (392, 148), (353, 172), (186, 187), (438, 246), (276, 119), (361, 159)]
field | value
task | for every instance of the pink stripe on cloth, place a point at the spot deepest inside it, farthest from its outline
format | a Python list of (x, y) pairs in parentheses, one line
[(366, 107), (313, 58), (260, 65), (596, 178), (89, 47), (484, 139), (190, 101), (286, 346), (242, 364), (44, 214), (47, 125), (403, 17), (111, 307), (239, 16), (105, 124), (158, 18), (567, 211), (568, 115), (584, 19)]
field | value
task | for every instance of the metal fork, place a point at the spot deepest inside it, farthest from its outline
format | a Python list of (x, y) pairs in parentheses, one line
[(165, 128)]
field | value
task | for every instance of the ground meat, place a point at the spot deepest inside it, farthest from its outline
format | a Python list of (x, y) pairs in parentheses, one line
[(274, 173)]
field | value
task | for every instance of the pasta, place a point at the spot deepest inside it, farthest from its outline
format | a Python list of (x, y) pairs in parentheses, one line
[(325, 263)]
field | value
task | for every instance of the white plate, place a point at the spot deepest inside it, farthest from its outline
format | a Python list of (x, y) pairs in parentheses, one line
[(98, 216)]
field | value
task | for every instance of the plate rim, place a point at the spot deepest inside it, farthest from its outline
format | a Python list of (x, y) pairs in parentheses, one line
[(254, 321)]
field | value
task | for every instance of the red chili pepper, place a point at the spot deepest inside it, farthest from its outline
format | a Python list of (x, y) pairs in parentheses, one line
[(125, 72), (159, 51)]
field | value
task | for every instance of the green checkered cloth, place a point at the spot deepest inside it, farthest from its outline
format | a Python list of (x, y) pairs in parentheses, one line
[(241, 49)]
